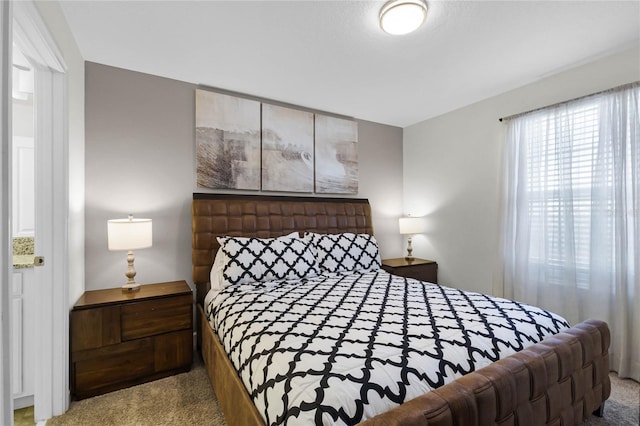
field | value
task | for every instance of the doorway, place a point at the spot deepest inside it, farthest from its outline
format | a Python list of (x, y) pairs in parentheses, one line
[(23, 27), (23, 297)]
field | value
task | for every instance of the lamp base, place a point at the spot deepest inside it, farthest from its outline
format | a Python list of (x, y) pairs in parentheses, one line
[(131, 284), (130, 288), (409, 257)]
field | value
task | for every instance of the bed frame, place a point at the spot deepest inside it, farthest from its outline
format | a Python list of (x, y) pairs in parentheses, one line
[(559, 381)]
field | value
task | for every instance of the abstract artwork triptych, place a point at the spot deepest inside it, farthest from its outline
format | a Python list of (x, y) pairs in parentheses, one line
[(251, 145)]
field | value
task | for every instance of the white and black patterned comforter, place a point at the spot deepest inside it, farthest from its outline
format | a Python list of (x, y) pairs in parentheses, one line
[(339, 349)]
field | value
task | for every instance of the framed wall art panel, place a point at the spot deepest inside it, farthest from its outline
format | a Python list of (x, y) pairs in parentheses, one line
[(336, 155), (287, 149), (227, 141)]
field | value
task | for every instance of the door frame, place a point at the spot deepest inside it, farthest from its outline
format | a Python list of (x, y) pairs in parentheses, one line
[(51, 387), (6, 62)]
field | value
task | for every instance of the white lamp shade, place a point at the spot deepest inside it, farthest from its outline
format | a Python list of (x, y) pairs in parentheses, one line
[(129, 234), (411, 225), (402, 16)]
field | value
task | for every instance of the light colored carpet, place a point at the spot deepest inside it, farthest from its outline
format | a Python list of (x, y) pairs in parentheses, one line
[(188, 399), (622, 407), (183, 399)]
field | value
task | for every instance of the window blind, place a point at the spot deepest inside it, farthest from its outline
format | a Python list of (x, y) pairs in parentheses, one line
[(561, 152)]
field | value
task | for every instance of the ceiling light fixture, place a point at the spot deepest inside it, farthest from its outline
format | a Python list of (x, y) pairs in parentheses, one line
[(402, 16)]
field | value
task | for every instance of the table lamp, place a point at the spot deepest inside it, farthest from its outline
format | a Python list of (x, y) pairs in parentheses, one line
[(410, 226), (129, 234)]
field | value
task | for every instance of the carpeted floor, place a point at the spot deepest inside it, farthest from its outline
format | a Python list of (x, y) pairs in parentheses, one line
[(183, 399), (188, 399), (623, 406)]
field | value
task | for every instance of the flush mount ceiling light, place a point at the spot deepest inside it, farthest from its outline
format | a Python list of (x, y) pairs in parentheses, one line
[(402, 16)]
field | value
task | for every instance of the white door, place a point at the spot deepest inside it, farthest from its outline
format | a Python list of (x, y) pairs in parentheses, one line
[(22, 338), (23, 161), (22, 26), (23, 285)]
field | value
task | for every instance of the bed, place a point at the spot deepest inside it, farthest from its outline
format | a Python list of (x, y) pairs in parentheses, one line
[(560, 380)]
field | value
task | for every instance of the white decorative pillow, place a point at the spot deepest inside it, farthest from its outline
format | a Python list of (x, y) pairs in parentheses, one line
[(249, 260), (346, 252), (215, 277)]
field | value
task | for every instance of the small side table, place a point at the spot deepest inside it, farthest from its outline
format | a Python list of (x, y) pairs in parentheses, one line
[(420, 269), (124, 339)]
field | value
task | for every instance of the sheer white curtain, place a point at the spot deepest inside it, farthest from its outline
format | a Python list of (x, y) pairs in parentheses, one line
[(571, 215)]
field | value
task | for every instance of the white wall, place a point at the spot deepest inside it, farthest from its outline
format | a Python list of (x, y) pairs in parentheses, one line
[(452, 168), (56, 22), (140, 159)]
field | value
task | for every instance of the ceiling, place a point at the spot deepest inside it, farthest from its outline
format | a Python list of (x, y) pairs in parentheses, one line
[(332, 56)]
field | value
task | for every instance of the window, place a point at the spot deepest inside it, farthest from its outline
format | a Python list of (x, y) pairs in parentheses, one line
[(560, 158), (571, 215)]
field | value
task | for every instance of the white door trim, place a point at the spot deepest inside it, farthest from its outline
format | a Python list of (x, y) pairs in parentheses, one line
[(51, 388), (33, 37), (6, 60)]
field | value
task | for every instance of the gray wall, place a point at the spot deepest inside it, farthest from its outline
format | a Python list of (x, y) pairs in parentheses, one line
[(139, 159), (452, 169)]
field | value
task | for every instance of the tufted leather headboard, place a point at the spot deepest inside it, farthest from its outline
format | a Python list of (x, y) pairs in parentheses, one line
[(213, 215)]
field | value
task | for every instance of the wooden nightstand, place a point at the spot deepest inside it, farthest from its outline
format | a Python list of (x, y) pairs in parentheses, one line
[(420, 269), (124, 339)]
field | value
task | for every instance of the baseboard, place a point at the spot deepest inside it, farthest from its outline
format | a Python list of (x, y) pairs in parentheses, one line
[(22, 402)]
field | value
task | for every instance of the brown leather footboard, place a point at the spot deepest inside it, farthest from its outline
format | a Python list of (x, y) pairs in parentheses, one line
[(559, 381)]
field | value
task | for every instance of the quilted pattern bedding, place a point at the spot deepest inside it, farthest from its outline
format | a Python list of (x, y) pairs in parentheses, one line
[(340, 348)]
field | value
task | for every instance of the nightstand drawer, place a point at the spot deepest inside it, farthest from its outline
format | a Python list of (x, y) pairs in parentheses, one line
[(173, 350), (100, 369), (141, 319), (95, 328)]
